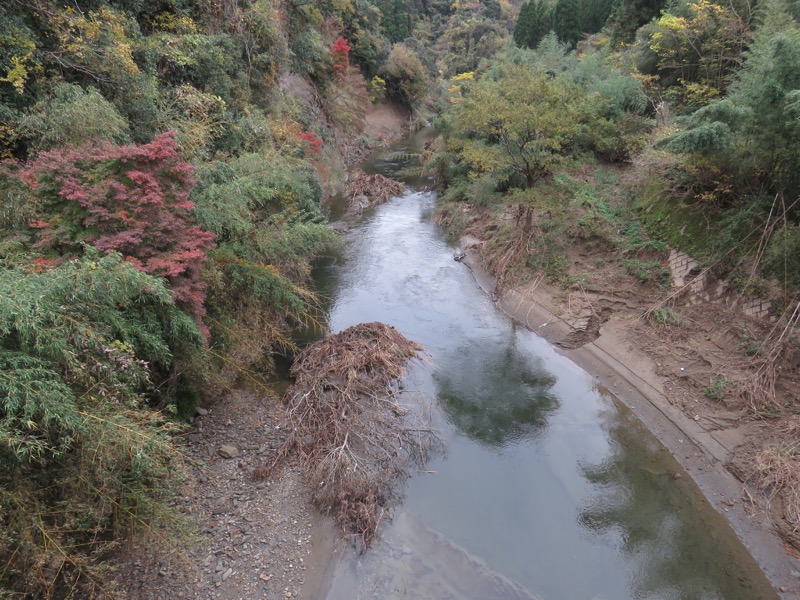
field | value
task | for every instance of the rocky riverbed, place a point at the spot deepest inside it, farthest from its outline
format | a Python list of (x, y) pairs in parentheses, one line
[(255, 536)]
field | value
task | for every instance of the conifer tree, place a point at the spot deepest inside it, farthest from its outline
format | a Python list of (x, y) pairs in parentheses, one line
[(533, 24), (544, 22), (628, 15), (594, 14), (522, 31), (567, 21)]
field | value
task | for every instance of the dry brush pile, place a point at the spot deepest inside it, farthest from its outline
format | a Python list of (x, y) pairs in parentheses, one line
[(774, 470), (353, 437), (363, 189)]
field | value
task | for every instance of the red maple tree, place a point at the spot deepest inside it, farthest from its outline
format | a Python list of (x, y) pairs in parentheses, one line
[(128, 199), (340, 54)]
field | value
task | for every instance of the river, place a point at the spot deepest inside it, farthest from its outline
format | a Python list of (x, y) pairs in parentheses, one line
[(549, 488)]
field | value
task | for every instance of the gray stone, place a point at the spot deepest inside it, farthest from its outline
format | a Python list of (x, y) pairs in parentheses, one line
[(228, 451), (201, 411)]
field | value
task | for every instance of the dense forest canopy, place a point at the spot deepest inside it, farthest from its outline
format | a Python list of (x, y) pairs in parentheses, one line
[(165, 165)]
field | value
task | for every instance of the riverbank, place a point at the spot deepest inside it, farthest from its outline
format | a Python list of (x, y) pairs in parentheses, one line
[(268, 542), (613, 351), (256, 539)]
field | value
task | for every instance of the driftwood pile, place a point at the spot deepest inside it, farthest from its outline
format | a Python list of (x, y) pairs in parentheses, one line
[(353, 438), (368, 190)]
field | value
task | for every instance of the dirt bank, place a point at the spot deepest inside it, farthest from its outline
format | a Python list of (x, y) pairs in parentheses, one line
[(661, 376)]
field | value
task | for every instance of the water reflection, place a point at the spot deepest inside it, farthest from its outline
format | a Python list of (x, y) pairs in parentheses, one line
[(654, 517), (494, 394), (548, 489)]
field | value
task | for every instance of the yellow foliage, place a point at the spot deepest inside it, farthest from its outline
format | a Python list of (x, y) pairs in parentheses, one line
[(97, 39), (702, 48), (377, 89), (167, 21), (468, 76), (22, 60), (698, 94), (7, 137), (17, 74), (343, 7)]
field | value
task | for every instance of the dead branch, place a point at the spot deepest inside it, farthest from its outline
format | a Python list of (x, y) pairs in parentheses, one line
[(363, 189), (759, 389), (777, 471), (354, 439)]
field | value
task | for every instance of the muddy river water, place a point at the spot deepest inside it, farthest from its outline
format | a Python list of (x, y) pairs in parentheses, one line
[(548, 488)]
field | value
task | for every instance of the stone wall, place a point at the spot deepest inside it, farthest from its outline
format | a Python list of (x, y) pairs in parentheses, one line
[(697, 286)]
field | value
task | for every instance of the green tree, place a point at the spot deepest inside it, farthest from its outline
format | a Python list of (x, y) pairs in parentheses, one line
[(753, 132), (396, 21), (72, 116), (524, 121), (404, 75), (522, 30), (627, 16), (533, 24), (567, 21), (594, 14)]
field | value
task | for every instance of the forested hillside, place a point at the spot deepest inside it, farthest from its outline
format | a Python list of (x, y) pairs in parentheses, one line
[(164, 170), (700, 97), (166, 164)]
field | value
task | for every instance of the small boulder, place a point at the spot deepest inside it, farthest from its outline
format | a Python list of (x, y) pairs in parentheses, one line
[(227, 451)]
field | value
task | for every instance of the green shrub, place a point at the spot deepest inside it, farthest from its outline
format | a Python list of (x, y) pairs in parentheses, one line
[(645, 272), (72, 116), (718, 388), (665, 316), (83, 460)]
